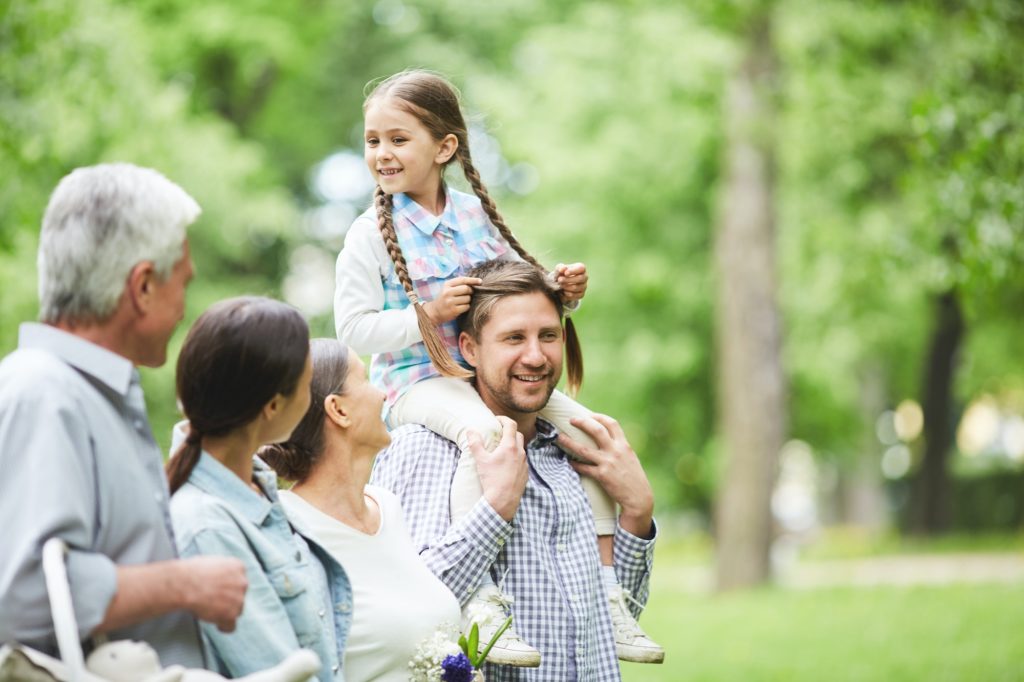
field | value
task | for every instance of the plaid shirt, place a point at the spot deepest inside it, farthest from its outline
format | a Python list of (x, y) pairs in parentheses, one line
[(436, 249), (548, 550)]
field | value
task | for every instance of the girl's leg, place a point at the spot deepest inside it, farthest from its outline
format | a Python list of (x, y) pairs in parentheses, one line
[(631, 643), (452, 408)]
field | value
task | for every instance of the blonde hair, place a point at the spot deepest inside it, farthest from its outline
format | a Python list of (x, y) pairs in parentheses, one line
[(435, 103)]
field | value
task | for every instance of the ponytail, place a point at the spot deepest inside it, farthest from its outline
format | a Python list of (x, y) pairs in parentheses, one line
[(436, 349), (179, 467), (573, 359)]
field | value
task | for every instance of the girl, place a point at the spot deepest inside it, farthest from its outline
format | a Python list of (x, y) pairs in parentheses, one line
[(397, 601), (243, 381), (399, 279)]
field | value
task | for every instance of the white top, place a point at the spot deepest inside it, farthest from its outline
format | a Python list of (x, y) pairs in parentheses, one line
[(397, 601)]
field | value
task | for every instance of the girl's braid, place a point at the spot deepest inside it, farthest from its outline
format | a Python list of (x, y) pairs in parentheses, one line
[(436, 348), (574, 356), (492, 211)]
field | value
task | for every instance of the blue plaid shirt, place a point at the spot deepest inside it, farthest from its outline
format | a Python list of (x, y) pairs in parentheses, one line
[(436, 249), (549, 551)]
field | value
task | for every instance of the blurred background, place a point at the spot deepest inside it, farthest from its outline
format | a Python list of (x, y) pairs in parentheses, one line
[(803, 224)]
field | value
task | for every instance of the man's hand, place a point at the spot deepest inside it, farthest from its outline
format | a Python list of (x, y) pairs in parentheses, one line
[(573, 280), (616, 467), (503, 471), (453, 300), (214, 589)]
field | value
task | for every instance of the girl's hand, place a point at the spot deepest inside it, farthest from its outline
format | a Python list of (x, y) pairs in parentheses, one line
[(573, 280), (453, 301)]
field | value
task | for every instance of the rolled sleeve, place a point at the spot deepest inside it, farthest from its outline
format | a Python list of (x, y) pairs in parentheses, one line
[(93, 580), (633, 558)]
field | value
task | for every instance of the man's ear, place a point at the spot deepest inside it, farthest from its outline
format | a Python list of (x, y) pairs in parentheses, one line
[(468, 348), (336, 409), (140, 286), (447, 148)]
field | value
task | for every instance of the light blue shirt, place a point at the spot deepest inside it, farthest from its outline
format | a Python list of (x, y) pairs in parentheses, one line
[(78, 461), (298, 596)]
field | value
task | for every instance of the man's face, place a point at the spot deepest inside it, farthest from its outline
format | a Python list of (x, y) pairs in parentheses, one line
[(518, 357), (166, 310)]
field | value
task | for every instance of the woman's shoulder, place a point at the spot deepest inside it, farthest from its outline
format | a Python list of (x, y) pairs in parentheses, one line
[(195, 512)]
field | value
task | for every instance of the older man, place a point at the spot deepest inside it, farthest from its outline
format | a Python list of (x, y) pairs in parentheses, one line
[(533, 526), (77, 456)]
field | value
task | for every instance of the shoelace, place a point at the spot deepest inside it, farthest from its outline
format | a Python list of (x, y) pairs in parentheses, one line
[(623, 619)]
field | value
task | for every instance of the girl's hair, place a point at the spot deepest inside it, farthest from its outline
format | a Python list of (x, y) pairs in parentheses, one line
[(435, 104), (295, 458), (238, 355), (501, 278)]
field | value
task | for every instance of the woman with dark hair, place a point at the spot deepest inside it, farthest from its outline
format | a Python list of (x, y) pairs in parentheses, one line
[(398, 601), (243, 381)]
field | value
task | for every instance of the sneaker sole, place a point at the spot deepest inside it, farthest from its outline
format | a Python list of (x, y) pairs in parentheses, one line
[(639, 655), (519, 659)]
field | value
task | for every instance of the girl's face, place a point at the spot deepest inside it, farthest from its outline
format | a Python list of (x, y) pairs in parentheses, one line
[(401, 154)]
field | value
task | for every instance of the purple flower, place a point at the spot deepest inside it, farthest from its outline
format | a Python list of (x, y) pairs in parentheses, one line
[(456, 669)]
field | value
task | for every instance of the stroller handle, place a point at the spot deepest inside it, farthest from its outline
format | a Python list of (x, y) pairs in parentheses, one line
[(62, 609)]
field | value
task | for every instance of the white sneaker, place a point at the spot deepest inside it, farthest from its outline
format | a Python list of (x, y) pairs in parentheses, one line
[(631, 643), (489, 608)]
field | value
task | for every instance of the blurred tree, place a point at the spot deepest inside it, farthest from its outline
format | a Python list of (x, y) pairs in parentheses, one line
[(752, 400)]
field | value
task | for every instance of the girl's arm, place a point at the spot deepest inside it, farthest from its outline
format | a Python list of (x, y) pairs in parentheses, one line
[(359, 316)]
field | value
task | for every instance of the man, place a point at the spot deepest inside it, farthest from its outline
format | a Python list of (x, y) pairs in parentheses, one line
[(533, 521), (78, 458)]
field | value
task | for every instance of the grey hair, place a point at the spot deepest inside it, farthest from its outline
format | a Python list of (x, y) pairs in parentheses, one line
[(100, 223)]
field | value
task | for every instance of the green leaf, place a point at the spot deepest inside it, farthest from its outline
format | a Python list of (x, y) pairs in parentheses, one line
[(483, 654), (474, 640)]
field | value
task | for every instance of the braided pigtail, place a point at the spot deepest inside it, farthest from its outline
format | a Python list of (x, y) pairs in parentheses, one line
[(573, 352), (436, 349), (473, 176)]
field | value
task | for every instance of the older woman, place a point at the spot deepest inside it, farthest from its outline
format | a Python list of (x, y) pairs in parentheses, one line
[(398, 602)]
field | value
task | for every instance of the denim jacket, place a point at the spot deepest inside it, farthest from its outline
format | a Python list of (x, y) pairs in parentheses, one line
[(298, 595)]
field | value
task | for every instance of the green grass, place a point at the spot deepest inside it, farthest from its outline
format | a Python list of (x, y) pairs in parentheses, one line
[(896, 635)]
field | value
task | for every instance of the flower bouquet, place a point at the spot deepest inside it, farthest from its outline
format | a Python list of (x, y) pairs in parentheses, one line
[(442, 658)]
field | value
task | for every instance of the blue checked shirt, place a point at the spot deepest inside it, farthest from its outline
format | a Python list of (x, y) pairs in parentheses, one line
[(549, 551), (371, 308)]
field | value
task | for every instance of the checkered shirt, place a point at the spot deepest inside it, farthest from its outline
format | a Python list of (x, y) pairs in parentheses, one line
[(548, 551), (436, 249)]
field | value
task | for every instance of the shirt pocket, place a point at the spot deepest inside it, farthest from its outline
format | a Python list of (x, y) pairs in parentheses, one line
[(298, 595)]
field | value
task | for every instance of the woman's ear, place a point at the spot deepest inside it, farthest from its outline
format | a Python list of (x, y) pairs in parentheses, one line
[(336, 409), (446, 149), (272, 407)]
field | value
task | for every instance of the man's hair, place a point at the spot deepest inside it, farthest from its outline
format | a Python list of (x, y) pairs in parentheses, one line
[(101, 222), (501, 278)]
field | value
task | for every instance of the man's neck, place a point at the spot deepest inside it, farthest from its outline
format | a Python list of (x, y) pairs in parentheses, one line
[(105, 335), (526, 422)]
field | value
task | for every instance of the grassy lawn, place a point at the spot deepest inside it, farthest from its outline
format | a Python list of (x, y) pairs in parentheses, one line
[(959, 632)]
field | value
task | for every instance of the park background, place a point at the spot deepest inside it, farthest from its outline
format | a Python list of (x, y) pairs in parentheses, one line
[(802, 223)]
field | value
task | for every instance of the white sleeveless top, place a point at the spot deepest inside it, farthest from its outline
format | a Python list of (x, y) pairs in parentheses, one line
[(397, 601)]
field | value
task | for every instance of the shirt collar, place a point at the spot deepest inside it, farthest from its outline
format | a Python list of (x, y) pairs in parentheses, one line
[(112, 369), (547, 434), (422, 219), (212, 477)]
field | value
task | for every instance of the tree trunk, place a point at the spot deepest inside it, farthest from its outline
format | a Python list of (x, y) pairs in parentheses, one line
[(751, 386), (861, 490), (930, 489)]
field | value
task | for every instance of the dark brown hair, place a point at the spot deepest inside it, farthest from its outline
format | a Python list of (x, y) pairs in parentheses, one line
[(295, 458), (435, 103), (238, 355), (503, 278)]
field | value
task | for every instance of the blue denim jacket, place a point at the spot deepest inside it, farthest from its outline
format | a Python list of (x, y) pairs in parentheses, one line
[(298, 595)]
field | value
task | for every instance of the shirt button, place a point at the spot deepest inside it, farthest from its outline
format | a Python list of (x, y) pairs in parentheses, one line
[(343, 607), (501, 541), (334, 668), (560, 547), (638, 555), (322, 613)]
